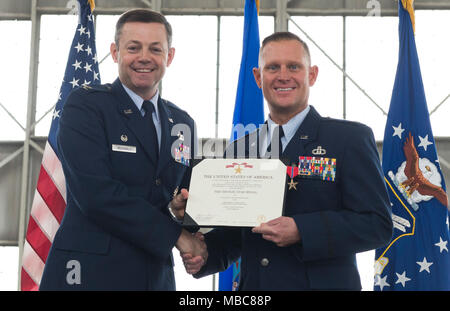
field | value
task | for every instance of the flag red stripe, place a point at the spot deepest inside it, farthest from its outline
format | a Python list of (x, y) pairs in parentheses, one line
[(32, 263), (50, 194), (44, 217), (38, 240), (53, 167), (27, 283)]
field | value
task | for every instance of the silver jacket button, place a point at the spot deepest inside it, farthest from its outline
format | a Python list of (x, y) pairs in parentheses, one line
[(264, 262)]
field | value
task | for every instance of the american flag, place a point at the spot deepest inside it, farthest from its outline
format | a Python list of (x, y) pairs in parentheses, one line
[(49, 200), (417, 257)]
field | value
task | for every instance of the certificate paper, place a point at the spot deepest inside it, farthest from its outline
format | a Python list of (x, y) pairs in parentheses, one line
[(235, 192)]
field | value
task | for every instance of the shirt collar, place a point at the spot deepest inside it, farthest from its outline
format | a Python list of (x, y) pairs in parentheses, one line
[(291, 127), (138, 100)]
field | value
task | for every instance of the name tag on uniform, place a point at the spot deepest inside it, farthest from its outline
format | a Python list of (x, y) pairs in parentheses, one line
[(124, 148)]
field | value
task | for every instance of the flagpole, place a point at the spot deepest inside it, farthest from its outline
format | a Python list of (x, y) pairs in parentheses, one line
[(32, 81), (344, 68), (217, 107), (217, 76)]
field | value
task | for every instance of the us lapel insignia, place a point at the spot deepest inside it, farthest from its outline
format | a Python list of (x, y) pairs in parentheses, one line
[(124, 138), (319, 151), (304, 137), (128, 111), (170, 120)]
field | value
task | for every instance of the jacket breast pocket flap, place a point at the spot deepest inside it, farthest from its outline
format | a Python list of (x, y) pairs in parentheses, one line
[(82, 241)]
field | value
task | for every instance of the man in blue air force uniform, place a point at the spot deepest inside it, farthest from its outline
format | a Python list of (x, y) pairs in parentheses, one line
[(336, 203), (126, 156)]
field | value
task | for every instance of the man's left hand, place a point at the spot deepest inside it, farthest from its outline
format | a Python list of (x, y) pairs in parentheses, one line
[(282, 231)]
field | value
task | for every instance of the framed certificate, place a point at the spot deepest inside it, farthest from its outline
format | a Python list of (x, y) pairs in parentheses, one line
[(235, 192)]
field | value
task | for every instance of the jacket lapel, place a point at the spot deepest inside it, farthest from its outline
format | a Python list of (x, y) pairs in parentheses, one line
[(134, 120)]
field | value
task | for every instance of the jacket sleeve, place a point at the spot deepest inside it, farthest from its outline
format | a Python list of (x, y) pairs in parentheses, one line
[(105, 201), (224, 248), (363, 221)]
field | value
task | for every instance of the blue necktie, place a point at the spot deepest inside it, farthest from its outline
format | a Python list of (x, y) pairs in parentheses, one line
[(149, 109), (278, 133)]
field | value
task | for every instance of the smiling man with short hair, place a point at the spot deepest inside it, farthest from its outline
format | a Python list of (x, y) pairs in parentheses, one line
[(115, 144)]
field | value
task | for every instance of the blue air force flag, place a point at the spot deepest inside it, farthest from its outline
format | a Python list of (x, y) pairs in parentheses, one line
[(417, 257), (248, 109), (249, 105)]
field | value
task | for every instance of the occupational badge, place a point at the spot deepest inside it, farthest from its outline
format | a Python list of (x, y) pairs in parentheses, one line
[(319, 151)]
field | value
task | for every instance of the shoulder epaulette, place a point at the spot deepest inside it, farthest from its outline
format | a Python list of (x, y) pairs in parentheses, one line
[(172, 106), (97, 88), (347, 123)]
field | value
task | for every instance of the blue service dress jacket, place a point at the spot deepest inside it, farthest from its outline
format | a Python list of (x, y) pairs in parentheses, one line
[(117, 233), (336, 219)]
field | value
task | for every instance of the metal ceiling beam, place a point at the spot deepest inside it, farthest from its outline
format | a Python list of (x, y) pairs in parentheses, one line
[(21, 9), (281, 17)]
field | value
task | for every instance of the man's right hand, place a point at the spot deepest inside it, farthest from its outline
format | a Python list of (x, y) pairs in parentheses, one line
[(193, 248), (192, 263)]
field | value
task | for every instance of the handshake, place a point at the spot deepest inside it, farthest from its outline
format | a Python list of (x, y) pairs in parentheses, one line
[(193, 251), (192, 247), (281, 231)]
